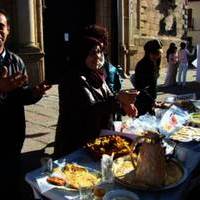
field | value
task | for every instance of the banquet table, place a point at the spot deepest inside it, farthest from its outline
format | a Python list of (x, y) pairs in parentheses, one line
[(187, 153)]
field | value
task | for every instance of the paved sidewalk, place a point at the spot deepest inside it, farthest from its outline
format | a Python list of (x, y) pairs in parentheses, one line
[(41, 119)]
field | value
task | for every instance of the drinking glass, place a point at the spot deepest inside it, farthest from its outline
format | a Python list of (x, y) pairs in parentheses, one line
[(85, 193), (47, 164), (106, 168)]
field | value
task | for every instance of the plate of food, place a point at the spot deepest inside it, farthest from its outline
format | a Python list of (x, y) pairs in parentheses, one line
[(148, 168), (186, 134), (109, 144), (73, 176), (120, 194)]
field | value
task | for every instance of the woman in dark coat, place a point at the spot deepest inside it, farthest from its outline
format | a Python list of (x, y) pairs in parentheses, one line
[(146, 75), (86, 102)]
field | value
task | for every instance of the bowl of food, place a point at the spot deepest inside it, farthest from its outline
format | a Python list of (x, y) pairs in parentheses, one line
[(109, 144)]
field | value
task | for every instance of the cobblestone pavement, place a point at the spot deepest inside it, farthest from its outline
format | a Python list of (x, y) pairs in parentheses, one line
[(41, 119)]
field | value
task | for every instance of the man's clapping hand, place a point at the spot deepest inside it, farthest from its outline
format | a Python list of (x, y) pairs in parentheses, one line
[(9, 83), (41, 88)]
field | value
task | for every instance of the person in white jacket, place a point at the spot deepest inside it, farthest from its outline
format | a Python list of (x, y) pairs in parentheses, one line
[(183, 63)]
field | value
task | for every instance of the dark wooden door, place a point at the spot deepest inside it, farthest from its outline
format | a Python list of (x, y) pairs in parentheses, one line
[(62, 21)]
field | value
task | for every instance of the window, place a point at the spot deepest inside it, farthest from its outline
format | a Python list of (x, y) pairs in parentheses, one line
[(190, 20)]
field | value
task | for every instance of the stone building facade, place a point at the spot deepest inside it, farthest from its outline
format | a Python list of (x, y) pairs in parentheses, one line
[(142, 20), (130, 24), (194, 21)]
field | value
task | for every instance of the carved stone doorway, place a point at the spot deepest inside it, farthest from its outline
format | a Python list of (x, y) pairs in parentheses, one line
[(62, 21)]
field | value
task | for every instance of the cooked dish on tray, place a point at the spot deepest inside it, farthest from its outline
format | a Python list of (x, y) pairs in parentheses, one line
[(124, 173), (186, 134), (147, 167), (109, 144), (74, 176)]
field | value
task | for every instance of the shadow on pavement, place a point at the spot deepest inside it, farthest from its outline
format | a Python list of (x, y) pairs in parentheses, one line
[(190, 87), (30, 161), (35, 135)]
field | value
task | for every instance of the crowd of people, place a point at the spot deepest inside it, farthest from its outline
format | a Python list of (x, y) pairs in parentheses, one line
[(147, 72), (90, 94), (88, 98)]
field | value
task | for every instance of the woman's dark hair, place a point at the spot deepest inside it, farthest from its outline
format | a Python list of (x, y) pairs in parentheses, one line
[(171, 49), (98, 32), (183, 45), (82, 49), (172, 45)]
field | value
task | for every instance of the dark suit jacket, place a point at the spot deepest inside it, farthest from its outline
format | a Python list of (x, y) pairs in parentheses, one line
[(146, 74)]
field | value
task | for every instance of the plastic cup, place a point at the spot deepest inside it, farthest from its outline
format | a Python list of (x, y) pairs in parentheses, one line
[(117, 126), (47, 164), (85, 193)]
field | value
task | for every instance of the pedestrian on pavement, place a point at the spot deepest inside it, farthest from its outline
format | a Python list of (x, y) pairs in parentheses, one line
[(146, 75), (86, 102), (172, 65), (14, 94), (183, 54)]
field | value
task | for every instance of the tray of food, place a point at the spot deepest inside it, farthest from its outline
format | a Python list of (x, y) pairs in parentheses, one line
[(186, 134), (109, 144), (148, 167), (73, 176), (125, 174)]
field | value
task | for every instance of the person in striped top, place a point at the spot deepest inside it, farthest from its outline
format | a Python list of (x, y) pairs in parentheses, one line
[(15, 92)]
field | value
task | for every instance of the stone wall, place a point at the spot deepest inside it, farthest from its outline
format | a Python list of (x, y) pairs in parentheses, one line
[(195, 32), (149, 18), (26, 37)]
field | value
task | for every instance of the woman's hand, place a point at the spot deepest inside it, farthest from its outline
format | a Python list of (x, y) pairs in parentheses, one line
[(127, 99), (41, 88), (130, 110)]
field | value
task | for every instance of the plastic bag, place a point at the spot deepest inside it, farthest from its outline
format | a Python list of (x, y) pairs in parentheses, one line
[(144, 123), (172, 120), (140, 125)]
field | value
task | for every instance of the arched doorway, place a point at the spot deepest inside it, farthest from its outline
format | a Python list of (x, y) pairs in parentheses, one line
[(62, 21)]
